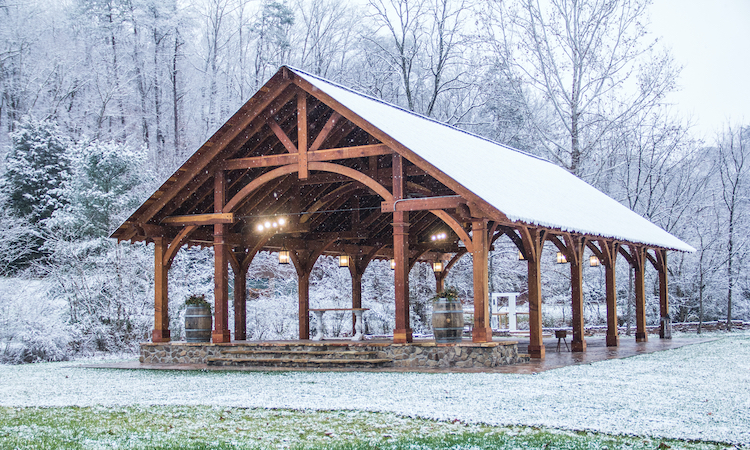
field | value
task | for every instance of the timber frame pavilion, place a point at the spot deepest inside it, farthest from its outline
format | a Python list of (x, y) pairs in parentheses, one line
[(356, 176)]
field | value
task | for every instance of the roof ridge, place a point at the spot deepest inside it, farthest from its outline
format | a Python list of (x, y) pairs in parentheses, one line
[(421, 116)]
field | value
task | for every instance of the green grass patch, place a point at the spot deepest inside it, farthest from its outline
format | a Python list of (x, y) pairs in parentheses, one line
[(205, 427)]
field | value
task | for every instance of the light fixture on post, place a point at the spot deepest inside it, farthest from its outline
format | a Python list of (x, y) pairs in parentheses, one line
[(594, 261), (343, 260), (393, 264), (437, 266), (520, 256), (561, 259)]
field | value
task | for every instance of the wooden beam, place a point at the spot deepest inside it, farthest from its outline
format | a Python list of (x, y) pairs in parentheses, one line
[(288, 144), (302, 133), (422, 204), (327, 128), (330, 154), (199, 219)]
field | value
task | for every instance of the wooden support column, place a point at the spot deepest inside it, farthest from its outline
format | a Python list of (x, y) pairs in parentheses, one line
[(402, 333), (575, 245), (161, 293), (304, 259), (303, 298), (638, 255), (240, 262), (356, 271), (221, 270), (661, 257), (532, 241), (440, 281), (481, 331), (609, 251)]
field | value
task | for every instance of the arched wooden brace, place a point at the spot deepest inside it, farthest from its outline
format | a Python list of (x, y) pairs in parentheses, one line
[(304, 259), (636, 257), (533, 242), (357, 266), (440, 276), (659, 261), (607, 254), (319, 166), (240, 259)]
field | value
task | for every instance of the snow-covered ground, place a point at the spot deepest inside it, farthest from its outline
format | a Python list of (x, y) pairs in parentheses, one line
[(694, 392)]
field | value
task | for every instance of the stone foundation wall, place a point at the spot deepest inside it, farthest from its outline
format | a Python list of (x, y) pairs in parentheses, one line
[(416, 355), (431, 355)]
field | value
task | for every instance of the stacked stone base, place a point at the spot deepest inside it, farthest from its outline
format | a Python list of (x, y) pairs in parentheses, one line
[(420, 355)]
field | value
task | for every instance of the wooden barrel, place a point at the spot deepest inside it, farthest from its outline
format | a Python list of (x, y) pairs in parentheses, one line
[(198, 324), (447, 320)]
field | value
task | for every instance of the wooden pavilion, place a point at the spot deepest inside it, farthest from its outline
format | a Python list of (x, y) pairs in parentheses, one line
[(341, 173)]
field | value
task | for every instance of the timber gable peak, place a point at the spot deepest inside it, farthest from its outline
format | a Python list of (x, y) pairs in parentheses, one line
[(301, 139)]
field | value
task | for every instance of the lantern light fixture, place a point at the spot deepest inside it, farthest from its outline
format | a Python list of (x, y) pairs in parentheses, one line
[(343, 260), (594, 261), (284, 255), (561, 259), (393, 264), (437, 266)]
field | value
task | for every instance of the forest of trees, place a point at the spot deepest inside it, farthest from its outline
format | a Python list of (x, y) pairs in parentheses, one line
[(104, 99)]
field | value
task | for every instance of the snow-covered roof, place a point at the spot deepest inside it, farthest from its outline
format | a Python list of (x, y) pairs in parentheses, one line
[(523, 187)]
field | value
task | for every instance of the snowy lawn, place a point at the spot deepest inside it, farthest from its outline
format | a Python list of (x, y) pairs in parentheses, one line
[(698, 392)]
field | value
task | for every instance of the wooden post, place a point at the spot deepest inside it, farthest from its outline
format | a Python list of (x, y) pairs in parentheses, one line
[(610, 251), (440, 281), (661, 256), (221, 271), (481, 331), (302, 134), (534, 242), (576, 287), (303, 296), (402, 332), (355, 270), (240, 303), (641, 335), (161, 294)]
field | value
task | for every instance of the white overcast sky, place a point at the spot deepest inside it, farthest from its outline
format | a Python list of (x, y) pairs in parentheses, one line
[(711, 40)]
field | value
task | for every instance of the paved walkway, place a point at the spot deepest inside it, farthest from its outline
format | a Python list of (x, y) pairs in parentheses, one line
[(596, 350)]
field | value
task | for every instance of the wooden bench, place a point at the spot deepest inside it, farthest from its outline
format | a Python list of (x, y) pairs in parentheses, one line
[(358, 333)]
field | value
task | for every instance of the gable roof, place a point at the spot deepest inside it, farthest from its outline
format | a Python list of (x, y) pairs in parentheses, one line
[(507, 184), (521, 186)]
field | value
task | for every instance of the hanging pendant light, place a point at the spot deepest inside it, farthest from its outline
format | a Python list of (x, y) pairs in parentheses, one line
[(393, 264), (284, 255), (437, 266), (561, 259), (594, 261), (343, 260)]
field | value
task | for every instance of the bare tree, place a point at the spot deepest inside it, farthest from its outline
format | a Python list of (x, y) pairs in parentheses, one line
[(586, 58), (734, 169)]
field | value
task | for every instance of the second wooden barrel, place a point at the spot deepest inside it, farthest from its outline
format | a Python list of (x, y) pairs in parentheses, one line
[(447, 320), (198, 324)]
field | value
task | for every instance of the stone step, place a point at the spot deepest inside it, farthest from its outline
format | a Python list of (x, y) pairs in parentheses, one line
[(300, 352), (297, 362)]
